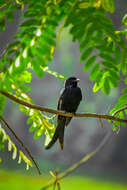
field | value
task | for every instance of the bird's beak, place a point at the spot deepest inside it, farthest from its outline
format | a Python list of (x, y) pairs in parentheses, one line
[(77, 80)]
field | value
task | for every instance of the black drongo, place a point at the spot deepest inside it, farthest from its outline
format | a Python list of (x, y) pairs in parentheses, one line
[(69, 101)]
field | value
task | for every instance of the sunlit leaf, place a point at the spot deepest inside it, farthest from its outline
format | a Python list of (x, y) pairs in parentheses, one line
[(96, 87), (9, 145), (86, 53), (2, 103), (37, 69), (84, 5), (25, 159), (115, 126), (94, 72), (89, 63), (124, 20), (14, 154), (106, 87), (2, 145), (38, 132), (12, 146), (108, 5)]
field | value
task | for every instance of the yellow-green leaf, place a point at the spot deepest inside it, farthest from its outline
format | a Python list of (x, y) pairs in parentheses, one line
[(108, 5)]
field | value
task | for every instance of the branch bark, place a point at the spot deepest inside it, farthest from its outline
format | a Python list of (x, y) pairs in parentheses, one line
[(52, 111)]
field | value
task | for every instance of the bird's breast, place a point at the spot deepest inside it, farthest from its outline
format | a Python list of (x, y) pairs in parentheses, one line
[(71, 99)]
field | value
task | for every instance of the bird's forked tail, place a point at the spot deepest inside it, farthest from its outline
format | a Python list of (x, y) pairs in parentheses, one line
[(59, 134)]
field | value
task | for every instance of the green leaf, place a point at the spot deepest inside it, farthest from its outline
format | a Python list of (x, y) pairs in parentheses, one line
[(2, 145), (112, 82), (25, 159), (37, 69), (20, 64), (84, 44), (30, 120), (2, 103), (84, 5), (25, 77), (115, 125), (125, 80), (6, 81), (114, 74), (27, 23), (95, 71), (2, 25), (117, 53), (13, 45), (10, 16), (48, 136), (86, 54), (124, 61), (48, 39), (89, 63), (123, 98), (107, 57), (124, 20), (125, 111), (32, 128), (109, 65), (118, 106), (124, 90), (108, 5), (96, 87), (106, 86), (25, 87), (38, 132)]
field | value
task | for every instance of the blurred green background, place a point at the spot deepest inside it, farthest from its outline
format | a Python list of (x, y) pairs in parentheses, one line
[(107, 170)]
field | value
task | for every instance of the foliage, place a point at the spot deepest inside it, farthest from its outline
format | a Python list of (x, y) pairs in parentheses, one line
[(102, 47), (12, 147)]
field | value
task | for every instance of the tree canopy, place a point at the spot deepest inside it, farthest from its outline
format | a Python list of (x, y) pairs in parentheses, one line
[(33, 49)]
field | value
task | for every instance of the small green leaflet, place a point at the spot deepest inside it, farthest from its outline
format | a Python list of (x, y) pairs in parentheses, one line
[(108, 5), (86, 53), (89, 63), (124, 20), (95, 71)]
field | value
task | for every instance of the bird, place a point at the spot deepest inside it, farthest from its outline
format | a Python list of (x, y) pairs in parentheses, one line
[(69, 101)]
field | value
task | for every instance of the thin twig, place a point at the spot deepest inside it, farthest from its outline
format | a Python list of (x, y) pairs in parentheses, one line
[(78, 164), (21, 143), (44, 109)]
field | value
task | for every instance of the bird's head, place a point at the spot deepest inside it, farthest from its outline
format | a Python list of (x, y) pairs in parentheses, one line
[(71, 81)]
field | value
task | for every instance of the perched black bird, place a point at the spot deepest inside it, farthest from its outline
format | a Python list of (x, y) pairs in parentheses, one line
[(69, 101)]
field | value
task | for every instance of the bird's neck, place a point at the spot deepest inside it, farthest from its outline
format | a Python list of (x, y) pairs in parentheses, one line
[(71, 86), (74, 85)]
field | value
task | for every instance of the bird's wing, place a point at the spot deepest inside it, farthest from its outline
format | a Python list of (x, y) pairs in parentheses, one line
[(59, 106)]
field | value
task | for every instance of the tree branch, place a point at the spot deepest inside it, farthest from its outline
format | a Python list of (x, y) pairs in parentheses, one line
[(21, 143), (44, 109), (78, 164)]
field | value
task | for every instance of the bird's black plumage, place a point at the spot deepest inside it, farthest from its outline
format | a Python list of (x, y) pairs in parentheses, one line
[(69, 101)]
